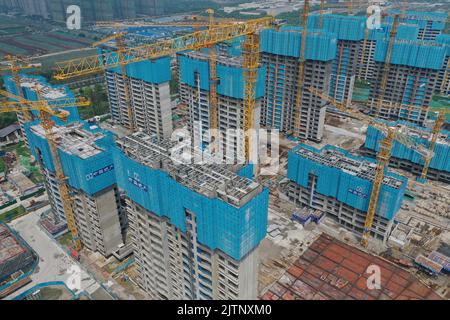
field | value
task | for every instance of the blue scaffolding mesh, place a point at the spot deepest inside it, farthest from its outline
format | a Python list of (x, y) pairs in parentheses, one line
[(444, 39), (90, 175), (345, 186), (414, 54), (231, 79), (287, 41), (30, 94), (421, 19), (404, 32), (343, 26), (152, 71), (235, 231), (440, 161)]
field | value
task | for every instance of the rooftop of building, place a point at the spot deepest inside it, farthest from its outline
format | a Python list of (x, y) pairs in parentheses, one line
[(47, 91), (423, 133), (357, 166), (74, 139), (226, 60), (211, 180)]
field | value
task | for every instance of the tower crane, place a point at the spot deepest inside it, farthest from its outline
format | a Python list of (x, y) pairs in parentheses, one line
[(194, 41), (387, 64), (47, 109), (383, 155), (15, 65), (119, 37), (440, 121), (250, 52), (301, 69), (212, 84), (322, 7)]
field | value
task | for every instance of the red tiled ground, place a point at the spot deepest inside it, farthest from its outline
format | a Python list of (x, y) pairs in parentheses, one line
[(331, 269)]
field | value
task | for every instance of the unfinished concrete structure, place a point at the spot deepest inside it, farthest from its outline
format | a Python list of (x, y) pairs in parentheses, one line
[(411, 80), (443, 82), (200, 244), (366, 60), (280, 51), (87, 163), (430, 24), (408, 160), (15, 256), (28, 86), (148, 93), (335, 182), (349, 31), (194, 78)]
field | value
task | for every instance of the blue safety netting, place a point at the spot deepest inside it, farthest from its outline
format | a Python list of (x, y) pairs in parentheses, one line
[(444, 39), (235, 231), (153, 71), (30, 94), (92, 174), (231, 79), (441, 158), (421, 18), (343, 26), (414, 54), (287, 41), (343, 185)]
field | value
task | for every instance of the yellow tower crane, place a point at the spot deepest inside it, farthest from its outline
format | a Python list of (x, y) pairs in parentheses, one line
[(440, 121), (250, 53), (301, 70), (383, 155), (14, 66), (119, 37), (212, 85), (194, 41), (47, 109), (322, 7)]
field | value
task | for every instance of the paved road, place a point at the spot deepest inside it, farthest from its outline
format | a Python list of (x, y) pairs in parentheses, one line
[(55, 264)]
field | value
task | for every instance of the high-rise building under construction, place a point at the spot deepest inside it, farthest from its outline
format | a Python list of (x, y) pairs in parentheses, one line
[(88, 165), (194, 78), (280, 51), (202, 243), (407, 82), (28, 86), (146, 98), (339, 184)]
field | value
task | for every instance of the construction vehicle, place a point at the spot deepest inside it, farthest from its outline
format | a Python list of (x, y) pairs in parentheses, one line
[(46, 110), (194, 41), (383, 155)]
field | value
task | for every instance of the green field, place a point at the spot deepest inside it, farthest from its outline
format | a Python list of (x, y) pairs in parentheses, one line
[(13, 214)]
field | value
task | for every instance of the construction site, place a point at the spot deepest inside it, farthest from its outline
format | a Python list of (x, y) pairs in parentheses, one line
[(359, 183)]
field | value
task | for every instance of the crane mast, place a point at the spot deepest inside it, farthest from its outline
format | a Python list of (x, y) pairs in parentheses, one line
[(250, 52), (440, 121), (383, 156), (46, 111), (212, 85), (301, 70)]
